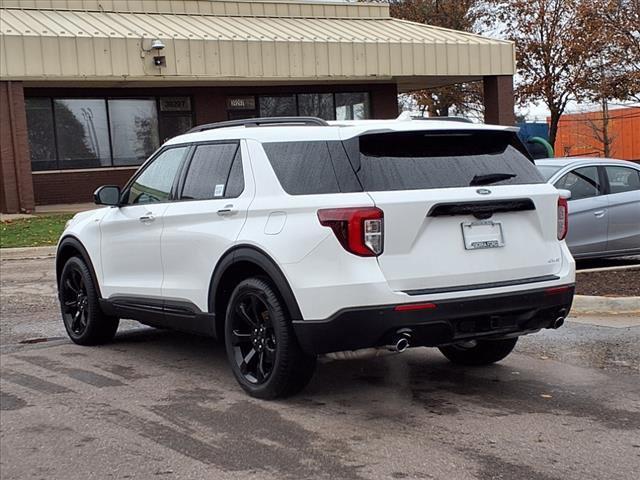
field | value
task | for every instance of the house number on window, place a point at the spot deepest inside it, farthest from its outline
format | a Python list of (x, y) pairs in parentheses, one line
[(175, 104)]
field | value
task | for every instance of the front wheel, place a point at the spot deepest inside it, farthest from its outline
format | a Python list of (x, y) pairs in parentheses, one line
[(479, 352), (84, 321), (261, 346)]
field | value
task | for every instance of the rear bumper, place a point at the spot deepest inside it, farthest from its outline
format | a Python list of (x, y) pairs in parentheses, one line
[(449, 321)]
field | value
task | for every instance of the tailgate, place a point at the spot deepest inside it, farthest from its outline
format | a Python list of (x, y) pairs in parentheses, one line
[(434, 240)]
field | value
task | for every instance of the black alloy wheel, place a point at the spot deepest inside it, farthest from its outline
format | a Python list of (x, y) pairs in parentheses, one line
[(83, 319), (75, 303), (253, 338), (262, 348)]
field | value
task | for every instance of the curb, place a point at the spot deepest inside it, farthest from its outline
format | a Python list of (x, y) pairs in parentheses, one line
[(583, 304), (609, 269), (25, 253)]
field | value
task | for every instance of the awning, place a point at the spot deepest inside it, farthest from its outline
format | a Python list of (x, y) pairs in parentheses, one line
[(70, 45)]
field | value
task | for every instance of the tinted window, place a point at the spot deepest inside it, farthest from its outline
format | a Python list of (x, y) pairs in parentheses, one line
[(208, 171), (42, 143), (316, 105), (424, 160), (82, 132), (582, 182), (155, 182), (278, 106), (623, 179), (134, 130), (303, 167), (235, 184)]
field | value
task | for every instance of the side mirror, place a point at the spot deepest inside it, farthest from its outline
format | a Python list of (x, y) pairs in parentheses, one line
[(107, 195), (566, 194)]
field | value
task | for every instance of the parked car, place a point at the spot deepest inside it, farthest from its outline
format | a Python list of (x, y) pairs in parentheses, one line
[(288, 238), (604, 209)]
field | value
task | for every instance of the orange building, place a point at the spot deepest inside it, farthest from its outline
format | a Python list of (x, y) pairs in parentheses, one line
[(580, 134)]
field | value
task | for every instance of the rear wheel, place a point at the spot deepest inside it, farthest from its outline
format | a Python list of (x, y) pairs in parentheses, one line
[(479, 352), (261, 346), (83, 319)]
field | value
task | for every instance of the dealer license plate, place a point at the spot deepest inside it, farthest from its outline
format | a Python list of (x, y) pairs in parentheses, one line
[(485, 234)]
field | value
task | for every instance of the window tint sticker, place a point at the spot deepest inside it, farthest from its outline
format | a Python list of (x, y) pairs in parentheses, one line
[(219, 191)]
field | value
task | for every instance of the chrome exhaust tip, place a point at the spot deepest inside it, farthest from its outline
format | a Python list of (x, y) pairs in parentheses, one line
[(558, 322), (402, 344), (399, 344)]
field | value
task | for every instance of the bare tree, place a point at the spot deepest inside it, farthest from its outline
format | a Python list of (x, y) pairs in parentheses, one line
[(464, 98), (551, 50)]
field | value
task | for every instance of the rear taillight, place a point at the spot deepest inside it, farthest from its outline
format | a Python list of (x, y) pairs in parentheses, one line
[(563, 218), (359, 230)]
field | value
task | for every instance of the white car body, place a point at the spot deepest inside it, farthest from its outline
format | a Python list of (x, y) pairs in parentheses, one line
[(170, 250)]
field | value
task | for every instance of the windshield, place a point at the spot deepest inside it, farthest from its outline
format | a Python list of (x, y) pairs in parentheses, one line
[(547, 171)]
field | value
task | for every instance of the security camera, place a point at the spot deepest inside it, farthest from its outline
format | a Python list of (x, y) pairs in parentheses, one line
[(157, 45)]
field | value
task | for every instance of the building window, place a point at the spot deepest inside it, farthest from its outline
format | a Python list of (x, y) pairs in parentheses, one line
[(134, 130), (317, 105), (82, 132), (278, 106), (100, 132), (352, 106), (328, 106), (42, 141)]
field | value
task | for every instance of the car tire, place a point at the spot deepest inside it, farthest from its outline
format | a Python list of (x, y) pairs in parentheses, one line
[(83, 319), (484, 352), (262, 348)]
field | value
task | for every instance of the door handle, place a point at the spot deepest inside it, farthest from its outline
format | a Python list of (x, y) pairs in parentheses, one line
[(226, 211), (600, 213), (147, 217)]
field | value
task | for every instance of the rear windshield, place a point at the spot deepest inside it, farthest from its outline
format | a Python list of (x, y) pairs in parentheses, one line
[(401, 161), (443, 159)]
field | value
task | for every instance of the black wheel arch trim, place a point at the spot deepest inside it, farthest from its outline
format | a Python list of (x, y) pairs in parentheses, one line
[(252, 254), (71, 241)]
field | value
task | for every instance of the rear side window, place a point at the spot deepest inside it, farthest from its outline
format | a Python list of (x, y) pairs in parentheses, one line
[(623, 179), (582, 183), (306, 168), (442, 159), (209, 172)]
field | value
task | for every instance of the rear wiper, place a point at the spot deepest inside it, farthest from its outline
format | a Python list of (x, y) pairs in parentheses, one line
[(490, 178)]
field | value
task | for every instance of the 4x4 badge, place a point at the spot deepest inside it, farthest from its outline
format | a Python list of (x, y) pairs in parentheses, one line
[(483, 191)]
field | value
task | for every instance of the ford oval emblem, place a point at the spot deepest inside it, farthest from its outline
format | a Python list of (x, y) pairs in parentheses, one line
[(483, 191)]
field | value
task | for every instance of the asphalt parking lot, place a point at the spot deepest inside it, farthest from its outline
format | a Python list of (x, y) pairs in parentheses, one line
[(156, 404)]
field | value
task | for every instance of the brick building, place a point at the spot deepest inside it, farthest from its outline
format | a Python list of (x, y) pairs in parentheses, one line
[(90, 88)]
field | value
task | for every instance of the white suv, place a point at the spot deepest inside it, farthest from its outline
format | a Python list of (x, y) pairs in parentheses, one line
[(294, 237)]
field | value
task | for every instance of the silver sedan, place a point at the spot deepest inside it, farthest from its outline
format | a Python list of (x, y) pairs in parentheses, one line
[(604, 209)]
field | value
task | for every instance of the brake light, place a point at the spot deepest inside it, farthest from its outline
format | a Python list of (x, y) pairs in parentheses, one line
[(359, 230), (563, 218)]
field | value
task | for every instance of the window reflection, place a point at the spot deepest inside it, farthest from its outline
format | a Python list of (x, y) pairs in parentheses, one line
[(134, 130), (352, 106), (82, 132)]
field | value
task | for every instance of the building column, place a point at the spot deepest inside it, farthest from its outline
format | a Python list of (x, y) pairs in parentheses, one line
[(16, 186), (499, 100), (384, 101)]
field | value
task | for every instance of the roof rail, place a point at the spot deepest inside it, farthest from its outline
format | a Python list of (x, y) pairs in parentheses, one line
[(444, 119), (256, 122)]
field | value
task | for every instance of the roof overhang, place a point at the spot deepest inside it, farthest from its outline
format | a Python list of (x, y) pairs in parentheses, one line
[(38, 45)]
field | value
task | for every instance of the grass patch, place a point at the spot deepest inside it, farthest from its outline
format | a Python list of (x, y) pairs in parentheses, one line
[(33, 232)]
